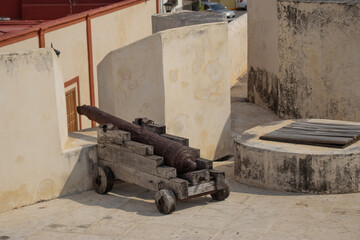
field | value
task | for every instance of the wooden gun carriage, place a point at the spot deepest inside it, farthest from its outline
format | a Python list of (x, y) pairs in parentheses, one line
[(134, 162)]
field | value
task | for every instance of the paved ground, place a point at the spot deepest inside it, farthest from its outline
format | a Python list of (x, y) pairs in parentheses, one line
[(245, 115), (129, 212)]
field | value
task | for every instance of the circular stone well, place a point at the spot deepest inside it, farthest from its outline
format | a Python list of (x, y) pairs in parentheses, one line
[(296, 167)]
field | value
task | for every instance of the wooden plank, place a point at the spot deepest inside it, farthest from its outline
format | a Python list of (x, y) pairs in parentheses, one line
[(166, 172), (147, 180), (197, 152), (119, 155), (332, 130), (156, 128), (219, 179), (183, 141), (201, 188), (197, 177), (317, 133), (203, 163), (139, 148), (107, 133), (178, 185), (135, 176), (292, 138), (326, 125), (159, 160)]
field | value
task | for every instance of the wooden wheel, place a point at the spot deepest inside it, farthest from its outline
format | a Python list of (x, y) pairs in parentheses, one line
[(222, 194), (165, 201), (103, 179)]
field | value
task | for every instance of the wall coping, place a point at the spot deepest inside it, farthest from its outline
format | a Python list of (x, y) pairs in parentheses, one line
[(52, 25)]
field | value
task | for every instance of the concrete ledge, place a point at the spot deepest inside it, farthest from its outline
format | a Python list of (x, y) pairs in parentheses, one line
[(295, 167), (80, 157)]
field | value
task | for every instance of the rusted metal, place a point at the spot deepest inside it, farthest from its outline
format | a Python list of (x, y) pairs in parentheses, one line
[(175, 154)]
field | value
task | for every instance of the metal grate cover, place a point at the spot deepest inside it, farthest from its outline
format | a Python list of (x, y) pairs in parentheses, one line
[(317, 134)]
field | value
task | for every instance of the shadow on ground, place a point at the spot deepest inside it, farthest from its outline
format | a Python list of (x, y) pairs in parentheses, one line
[(133, 199)]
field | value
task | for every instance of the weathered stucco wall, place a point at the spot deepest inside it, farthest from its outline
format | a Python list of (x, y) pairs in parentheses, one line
[(238, 48), (237, 35), (73, 58), (32, 120), (131, 83), (31, 43), (313, 67), (118, 29), (296, 167), (36, 162), (189, 93), (41, 161), (108, 32), (320, 60), (197, 93), (263, 60)]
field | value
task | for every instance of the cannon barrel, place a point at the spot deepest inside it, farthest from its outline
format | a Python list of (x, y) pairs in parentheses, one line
[(175, 154)]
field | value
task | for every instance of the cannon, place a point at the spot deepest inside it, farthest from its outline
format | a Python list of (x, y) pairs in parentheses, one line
[(123, 157)]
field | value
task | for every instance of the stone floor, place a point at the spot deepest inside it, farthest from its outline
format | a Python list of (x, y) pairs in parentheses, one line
[(245, 115), (129, 212)]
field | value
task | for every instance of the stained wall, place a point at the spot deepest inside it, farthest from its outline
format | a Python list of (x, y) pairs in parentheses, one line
[(179, 77), (73, 58), (38, 160), (118, 29), (304, 58), (106, 31)]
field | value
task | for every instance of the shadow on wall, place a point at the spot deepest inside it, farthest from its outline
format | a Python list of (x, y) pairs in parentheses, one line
[(81, 161), (177, 77), (225, 142), (131, 83)]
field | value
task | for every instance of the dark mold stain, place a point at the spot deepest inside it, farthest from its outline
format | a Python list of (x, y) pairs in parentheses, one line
[(357, 175), (251, 169), (288, 95), (288, 169), (296, 24), (265, 84), (246, 162), (306, 173), (324, 185), (295, 18)]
